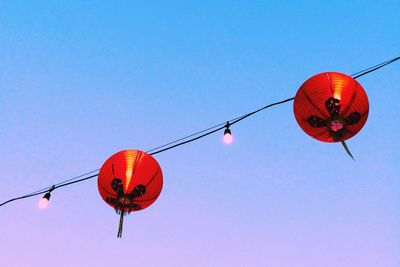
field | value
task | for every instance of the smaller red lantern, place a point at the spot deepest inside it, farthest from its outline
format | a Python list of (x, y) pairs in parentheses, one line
[(130, 180), (331, 107)]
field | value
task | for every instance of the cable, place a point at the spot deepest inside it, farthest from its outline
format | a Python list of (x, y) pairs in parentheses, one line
[(374, 68), (22, 197), (76, 177), (188, 141), (233, 121), (258, 110), (77, 181), (185, 140), (45, 190), (162, 148)]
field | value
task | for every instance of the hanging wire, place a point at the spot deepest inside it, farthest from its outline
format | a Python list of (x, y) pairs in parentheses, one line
[(258, 110), (25, 196), (153, 151), (373, 68), (185, 140), (76, 177)]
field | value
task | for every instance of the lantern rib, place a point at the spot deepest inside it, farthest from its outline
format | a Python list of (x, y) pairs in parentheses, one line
[(152, 179), (185, 140), (346, 109), (321, 112)]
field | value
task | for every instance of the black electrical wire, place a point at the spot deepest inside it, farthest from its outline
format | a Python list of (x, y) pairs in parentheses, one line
[(260, 109), (156, 150), (185, 140), (76, 177), (374, 68), (24, 196), (47, 189), (60, 183), (188, 141)]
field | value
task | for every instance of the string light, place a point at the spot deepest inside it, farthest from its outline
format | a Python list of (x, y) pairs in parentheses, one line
[(44, 201), (182, 141), (227, 138)]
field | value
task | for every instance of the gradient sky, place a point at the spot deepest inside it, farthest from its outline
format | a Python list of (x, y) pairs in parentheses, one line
[(81, 80)]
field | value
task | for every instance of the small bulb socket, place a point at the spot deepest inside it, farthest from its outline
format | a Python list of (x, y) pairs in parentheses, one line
[(47, 196), (227, 131)]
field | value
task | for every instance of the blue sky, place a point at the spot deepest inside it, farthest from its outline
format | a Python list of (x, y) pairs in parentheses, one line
[(81, 81)]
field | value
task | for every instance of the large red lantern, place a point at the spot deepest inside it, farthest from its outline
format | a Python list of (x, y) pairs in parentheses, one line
[(130, 180), (331, 107)]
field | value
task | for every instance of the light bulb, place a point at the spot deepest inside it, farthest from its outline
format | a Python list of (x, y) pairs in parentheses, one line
[(228, 138), (43, 203)]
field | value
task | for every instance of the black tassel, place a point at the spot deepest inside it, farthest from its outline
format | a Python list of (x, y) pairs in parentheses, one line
[(347, 149), (121, 222)]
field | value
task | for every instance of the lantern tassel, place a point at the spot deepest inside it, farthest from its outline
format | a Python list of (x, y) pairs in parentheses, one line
[(347, 149), (121, 222)]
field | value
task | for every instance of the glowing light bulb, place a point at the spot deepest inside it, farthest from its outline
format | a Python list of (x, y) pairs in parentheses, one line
[(227, 138), (44, 201)]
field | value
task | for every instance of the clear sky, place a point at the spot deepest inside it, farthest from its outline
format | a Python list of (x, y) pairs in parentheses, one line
[(81, 80)]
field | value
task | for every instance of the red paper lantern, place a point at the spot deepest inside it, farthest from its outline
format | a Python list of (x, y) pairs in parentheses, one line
[(130, 180), (331, 107)]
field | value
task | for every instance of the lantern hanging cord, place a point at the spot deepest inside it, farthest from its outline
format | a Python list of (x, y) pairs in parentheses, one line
[(184, 140)]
